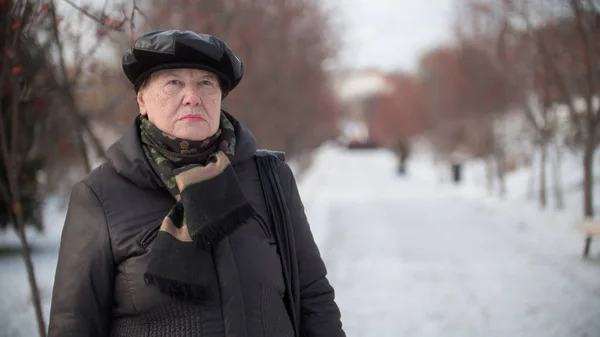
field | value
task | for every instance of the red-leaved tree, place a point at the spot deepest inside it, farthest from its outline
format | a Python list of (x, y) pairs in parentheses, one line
[(397, 114)]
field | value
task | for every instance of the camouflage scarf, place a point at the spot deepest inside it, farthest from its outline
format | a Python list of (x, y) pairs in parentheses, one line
[(209, 206), (166, 152)]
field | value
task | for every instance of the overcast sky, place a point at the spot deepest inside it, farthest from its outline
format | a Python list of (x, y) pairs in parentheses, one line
[(384, 34), (391, 34)]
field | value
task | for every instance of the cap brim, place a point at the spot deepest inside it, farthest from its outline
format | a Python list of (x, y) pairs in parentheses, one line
[(224, 82)]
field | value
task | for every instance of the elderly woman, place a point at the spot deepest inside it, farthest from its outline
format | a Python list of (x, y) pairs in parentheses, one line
[(172, 235)]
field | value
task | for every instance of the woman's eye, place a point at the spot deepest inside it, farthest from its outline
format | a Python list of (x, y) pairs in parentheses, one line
[(173, 82), (207, 83)]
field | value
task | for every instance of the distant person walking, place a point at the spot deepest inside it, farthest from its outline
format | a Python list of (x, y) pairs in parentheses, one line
[(402, 150)]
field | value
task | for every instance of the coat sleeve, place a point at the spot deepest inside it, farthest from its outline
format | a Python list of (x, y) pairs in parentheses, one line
[(319, 314), (83, 284)]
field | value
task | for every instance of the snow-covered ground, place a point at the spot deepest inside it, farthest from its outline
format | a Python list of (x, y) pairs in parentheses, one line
[(409, 256)]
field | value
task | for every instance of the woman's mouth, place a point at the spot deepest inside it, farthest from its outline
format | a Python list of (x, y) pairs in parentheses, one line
[(192, 118)]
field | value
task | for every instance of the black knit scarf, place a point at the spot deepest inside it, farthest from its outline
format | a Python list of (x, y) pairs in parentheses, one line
[(210, 205)]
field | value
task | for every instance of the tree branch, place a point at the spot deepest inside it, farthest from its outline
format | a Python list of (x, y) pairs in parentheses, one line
[(135, 9), (118, 27), (550, 65), (5, 154), (10, 20), (80, 121), (591, 114)]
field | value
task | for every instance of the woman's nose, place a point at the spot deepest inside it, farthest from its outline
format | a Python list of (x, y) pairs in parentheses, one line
[(192, 97)]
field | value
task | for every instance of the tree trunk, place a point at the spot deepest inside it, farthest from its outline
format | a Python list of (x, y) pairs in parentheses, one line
[(489, 174), (588, 180), (501, 171), (19, 223), (12, 167), (543, 160), (83, 127), (83, 151), (558, 190), (35, 292), (531, 182)]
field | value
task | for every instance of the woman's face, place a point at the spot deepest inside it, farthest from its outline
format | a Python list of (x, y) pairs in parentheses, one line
[(185, 103)]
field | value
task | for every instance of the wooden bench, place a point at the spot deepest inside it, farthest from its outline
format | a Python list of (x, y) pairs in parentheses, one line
[(591, 228)]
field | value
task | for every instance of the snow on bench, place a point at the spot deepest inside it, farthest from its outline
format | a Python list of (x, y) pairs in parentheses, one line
[(591, 228)]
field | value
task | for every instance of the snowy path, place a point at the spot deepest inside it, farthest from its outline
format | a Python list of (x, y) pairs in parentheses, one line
[(410, 259)]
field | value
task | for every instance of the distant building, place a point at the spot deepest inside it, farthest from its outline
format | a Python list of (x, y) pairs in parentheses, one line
[(357, 89)]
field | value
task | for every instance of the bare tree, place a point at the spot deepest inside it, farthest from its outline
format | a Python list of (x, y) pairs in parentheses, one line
[(22, 62), (466, 94), (520, 47), (569, 45), (41, 126)]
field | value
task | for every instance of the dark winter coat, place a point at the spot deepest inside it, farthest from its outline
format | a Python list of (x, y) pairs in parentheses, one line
[(112, 218)]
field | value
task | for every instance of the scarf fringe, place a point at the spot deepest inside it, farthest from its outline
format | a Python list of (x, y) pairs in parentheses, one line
[(213, 233), (178, 289)]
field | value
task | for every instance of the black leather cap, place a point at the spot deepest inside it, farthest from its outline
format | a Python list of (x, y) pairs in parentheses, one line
[(169, 49)]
